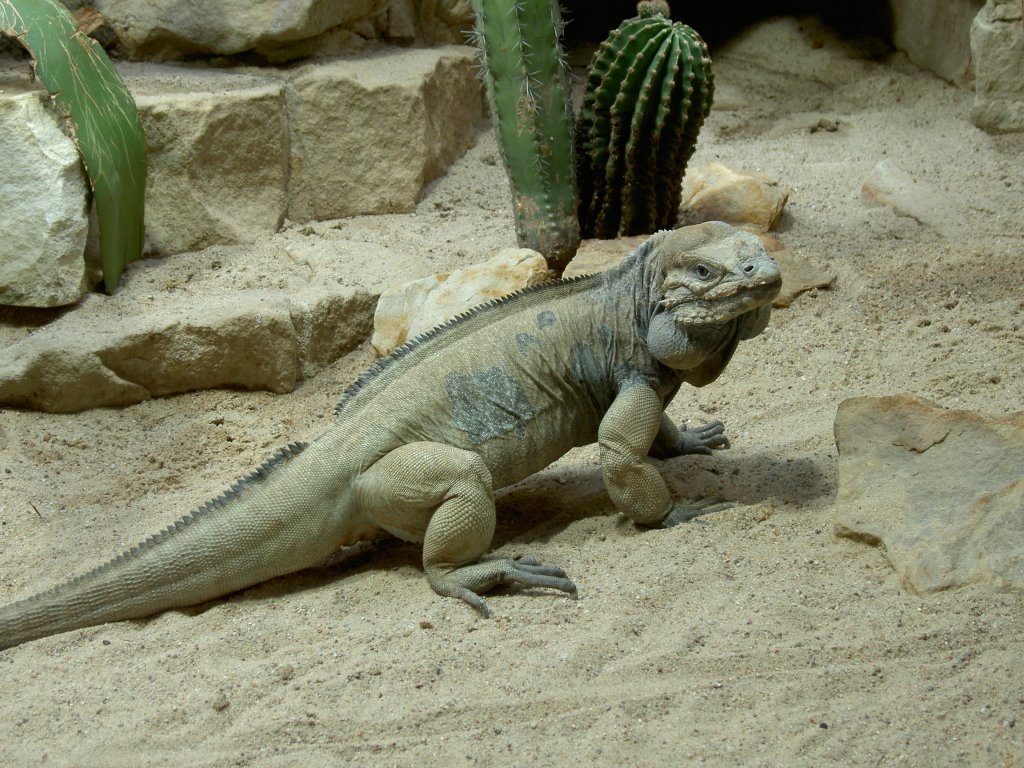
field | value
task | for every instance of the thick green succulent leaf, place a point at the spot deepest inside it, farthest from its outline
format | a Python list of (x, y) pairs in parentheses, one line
[(101, 116)]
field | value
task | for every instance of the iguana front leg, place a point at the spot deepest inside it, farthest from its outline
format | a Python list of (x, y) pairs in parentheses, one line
[(629, 429), (442, 496)]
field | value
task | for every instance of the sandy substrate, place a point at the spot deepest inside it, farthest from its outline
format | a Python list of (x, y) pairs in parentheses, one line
[(752, 637)]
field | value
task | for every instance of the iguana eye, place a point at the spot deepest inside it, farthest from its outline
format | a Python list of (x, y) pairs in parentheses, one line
[(703, 272)]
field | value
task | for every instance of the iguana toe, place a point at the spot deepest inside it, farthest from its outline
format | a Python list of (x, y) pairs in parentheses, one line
[(683, 513), (470, 581), (703, 439)]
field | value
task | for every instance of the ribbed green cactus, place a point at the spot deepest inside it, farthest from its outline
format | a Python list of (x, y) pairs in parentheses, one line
[(101, 115), (528, 85), (649, 88)]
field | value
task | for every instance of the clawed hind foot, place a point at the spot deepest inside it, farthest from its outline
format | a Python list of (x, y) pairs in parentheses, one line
[(470, 581)]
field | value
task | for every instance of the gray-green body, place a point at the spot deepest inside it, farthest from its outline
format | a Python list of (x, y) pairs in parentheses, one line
[(419, 443)]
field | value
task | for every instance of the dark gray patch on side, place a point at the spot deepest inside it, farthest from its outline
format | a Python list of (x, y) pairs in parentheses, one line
[(488, 404), (586, 365), (590, 374), (525, 341), (545, 319)]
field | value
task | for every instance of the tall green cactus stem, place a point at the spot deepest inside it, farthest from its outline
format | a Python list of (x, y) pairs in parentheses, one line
[(649, 88), (528, 85), (101, 115)]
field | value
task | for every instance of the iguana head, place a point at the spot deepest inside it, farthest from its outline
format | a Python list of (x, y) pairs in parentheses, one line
[(713, 273), (712, 287)]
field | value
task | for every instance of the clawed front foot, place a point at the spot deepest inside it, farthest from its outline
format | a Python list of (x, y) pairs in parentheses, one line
[(470, 581), (683, 513), (702, 439)]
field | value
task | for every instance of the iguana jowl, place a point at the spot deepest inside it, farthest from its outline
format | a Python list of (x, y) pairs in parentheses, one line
[(420, 441)]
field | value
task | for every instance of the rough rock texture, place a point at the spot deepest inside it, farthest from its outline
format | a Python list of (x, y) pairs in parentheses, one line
[(596, 255), (230, 155), (997, 44), (43, 217), (217, 148), (798, 276), (718, 193), (170, 29), (942, 491), (279, 31), (891, 186), (407, 115), (935, 34), (257, 339), (404, 311)]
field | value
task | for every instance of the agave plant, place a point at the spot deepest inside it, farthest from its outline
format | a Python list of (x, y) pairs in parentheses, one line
[(101, 117)]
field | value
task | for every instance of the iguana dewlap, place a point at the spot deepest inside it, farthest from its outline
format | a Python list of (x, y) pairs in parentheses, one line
[(419, 443)]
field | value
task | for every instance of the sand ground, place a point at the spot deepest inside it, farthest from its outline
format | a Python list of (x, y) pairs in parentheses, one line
[(752, 637)]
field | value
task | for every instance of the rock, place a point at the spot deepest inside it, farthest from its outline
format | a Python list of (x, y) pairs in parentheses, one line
[(935, 34), (718, 193), (941, 491), (172, 29), (798, 277), (45, 222), (891, 186), (256, 339), (217, 150), (405, 311), (596, 255), (167, 30), (997, 44), (369, 133)]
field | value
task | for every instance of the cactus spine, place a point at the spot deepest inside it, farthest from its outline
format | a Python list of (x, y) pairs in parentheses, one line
[(528, 86), (648, 90)]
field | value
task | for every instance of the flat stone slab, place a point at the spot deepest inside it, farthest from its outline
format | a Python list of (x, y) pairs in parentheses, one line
[(107, 355), (941, 491)]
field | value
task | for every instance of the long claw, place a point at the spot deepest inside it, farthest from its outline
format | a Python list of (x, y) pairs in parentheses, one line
[(469, 581), (702, 439), (682, 513)]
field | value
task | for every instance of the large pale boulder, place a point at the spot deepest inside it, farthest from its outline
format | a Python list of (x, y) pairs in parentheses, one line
[(407, 310), (369, 133), (171, 29), (892, 186), (997, 43), (217, 148), (941, 491), (43, 216), (935, 34), (718, 193), (122, 350)]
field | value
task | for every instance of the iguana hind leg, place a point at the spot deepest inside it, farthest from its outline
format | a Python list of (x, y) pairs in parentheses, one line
[(442, 496)]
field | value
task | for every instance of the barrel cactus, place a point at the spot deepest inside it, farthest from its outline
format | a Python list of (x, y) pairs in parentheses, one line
[(649, 88), (528, 86)]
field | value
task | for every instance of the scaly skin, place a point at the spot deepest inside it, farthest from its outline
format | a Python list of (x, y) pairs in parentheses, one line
[(422, 439)]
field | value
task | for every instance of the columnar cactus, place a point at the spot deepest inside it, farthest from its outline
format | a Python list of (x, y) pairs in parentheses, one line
[(528, 85), (648, 90)]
